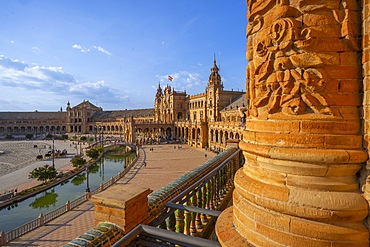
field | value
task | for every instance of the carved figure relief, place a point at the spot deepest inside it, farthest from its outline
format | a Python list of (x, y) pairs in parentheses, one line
[(284, 74)]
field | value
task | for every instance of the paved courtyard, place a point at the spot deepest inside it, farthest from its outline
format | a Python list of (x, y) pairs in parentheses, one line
[(18, 159), (164, 164)]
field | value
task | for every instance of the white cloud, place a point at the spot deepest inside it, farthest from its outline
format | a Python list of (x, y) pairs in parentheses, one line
[(35, 49), (183, 80), (102, 50), (37, 81), (96, 47), (87, 86), (81, 48)]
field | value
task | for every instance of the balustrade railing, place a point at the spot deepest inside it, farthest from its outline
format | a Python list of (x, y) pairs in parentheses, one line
[(70, 205), (202, 201), (188, 207)]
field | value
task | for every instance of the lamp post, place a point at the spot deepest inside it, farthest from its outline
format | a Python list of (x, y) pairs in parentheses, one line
[(124, 156), (87, 178), (53, 154), (95, 129), (134, 135), (101, 136)]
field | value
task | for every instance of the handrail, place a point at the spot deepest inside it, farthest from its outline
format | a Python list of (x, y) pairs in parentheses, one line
[(167, 236), (192, 189), (158, 198), (190, 204), (70, 205)]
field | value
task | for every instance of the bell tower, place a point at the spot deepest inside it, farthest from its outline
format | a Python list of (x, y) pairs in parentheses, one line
[(158, 104), (213, 90)]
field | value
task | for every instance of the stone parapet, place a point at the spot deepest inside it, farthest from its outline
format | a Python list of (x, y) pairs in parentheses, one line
[(123, 205)]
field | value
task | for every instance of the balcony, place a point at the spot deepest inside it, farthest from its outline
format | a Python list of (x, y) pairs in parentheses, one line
[(183, 212)]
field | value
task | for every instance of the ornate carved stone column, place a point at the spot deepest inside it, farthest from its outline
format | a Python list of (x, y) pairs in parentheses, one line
[(303, 142)]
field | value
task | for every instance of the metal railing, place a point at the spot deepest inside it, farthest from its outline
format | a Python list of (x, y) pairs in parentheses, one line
[(184, 212), (70, 205)]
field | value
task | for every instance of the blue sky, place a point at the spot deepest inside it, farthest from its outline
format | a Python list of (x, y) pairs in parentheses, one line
[(114, 53)]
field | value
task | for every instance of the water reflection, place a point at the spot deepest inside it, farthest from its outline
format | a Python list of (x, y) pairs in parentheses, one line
[(79, 179), (64, 182), (14, 205), (23, 211), (94, 169), (101, 164), (45, 201)]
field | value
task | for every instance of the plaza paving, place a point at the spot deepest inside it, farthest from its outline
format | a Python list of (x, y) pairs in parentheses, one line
[(19, 159), (164, 164)]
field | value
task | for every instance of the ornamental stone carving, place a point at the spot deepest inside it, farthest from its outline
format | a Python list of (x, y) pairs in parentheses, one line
[(302, 142), (290, 48)]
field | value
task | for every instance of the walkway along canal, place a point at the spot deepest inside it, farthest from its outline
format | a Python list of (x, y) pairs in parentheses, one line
[(29, 209)]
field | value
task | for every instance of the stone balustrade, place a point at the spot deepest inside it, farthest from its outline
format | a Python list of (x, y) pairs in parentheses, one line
[(208, 188)]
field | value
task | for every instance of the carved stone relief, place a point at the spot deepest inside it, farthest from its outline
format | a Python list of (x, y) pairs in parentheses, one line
[(285, 73)]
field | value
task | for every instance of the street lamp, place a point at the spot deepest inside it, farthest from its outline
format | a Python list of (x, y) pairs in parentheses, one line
[(87, 178), (101, 136), (134, 136), (95, 129), (53, 154)]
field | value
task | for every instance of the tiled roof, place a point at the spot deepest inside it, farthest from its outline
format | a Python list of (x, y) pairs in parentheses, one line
[(239, 101), (86, 103), (32, 115), (122, 113)]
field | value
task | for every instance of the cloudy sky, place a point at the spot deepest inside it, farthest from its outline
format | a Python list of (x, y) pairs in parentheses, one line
[(115, 52)]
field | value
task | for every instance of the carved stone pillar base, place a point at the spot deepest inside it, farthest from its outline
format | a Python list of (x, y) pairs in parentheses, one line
[(296, 195), (303, 139)]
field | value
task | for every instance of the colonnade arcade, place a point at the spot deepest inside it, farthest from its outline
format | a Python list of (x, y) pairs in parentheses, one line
[(22, 130), (218, 138), (143, 133), (123, 131), (193, 136), (148, 133)]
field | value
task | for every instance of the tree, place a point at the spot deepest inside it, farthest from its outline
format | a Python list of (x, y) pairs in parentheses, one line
[(44, 173), (29, 136), (94, 153), (77, 161), (83, 138)]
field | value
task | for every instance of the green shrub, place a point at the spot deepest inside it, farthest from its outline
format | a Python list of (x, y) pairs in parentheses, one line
[(83, 138), (29, 136), (78, 161), (44, 173), (94, 153)]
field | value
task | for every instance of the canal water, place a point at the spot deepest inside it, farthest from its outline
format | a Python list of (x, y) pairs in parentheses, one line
[(46, 201)]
